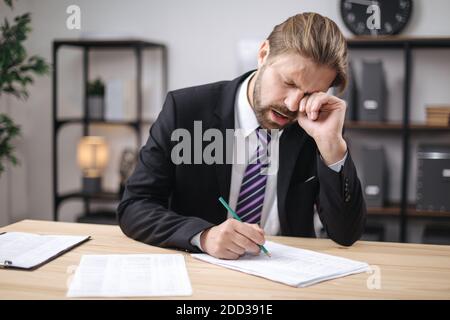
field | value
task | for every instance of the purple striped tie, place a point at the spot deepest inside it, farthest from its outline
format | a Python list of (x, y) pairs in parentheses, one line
[(251, 194)]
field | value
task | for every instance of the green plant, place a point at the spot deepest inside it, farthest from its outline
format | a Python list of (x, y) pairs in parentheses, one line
[(96, 88), (16, 70), (8, 130)]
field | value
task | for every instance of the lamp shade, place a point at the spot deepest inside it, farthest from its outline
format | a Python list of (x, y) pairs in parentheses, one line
[(92, 155)]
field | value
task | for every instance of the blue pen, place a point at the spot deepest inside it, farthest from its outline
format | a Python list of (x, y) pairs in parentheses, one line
[(234, 214)]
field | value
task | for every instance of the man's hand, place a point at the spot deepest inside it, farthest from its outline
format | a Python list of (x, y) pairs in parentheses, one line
[(322, 116), (231, 239)]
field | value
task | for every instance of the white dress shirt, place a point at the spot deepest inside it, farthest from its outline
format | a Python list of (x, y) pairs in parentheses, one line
[(245, 120)]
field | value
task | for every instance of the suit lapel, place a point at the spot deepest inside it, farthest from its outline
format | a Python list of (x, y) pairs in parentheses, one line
[(291, 141), (224, 119)]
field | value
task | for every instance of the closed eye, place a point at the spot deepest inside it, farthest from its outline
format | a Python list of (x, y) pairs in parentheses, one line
[(289, 84)]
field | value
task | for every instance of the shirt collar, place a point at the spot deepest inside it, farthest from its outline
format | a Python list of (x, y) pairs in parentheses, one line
[(244, 115)]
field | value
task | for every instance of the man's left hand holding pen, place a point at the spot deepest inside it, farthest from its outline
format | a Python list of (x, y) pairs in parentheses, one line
[(232, 239)]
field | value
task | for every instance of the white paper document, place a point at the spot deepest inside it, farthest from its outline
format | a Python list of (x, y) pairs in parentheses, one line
[(131, 275), (292, 266), (28, 250)]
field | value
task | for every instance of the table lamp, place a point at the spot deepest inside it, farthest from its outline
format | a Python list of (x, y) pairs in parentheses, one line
[(92, 157)]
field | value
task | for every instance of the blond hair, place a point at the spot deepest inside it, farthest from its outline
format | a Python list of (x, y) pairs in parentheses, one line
[(315, 37)]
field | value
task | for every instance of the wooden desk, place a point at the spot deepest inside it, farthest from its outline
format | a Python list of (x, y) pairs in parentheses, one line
[(408, 271)]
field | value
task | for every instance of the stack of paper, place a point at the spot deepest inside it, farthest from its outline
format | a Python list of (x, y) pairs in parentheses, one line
[(131, 275), (292, 266)]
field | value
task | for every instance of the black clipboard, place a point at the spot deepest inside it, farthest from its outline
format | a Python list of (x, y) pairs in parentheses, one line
[(9, 264)]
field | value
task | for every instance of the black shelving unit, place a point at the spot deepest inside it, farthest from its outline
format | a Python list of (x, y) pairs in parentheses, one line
[(136, 45), (403, 209)]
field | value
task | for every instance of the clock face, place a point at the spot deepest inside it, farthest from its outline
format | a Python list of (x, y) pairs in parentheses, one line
[(376, 17)]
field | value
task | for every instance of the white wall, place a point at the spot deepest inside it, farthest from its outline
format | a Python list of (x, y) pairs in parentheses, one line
[(201, 36)]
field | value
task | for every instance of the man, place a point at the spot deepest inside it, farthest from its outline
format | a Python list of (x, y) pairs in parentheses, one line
[(176, 205)]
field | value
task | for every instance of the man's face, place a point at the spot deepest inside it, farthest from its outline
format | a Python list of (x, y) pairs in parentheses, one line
[(280, 85)]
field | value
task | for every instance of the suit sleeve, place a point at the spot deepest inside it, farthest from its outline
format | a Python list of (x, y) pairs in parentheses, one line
[(143, 213), (340, 203)]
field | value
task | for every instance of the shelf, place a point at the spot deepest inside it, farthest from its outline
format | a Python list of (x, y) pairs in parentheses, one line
[(413, 212), (384, 211), (137, 46), (427, 127), (394, 211), (106, 196), (366, 125), (397, 42), (104, 43), (131, 123), (99, 217)]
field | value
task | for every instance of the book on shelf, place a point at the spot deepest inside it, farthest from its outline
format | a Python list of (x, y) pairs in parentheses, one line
[(438, 115)]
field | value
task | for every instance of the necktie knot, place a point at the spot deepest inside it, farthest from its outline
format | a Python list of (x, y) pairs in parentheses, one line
[(264, 135)]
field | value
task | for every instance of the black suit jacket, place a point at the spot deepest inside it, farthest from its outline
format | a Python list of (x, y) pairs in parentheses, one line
[(166, 204)]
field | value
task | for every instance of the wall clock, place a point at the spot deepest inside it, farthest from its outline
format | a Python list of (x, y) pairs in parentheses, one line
[(380, 17)]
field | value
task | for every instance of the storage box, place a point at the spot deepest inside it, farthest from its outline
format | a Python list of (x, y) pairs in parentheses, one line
[(375, 176), (373, 94), (433, 178)]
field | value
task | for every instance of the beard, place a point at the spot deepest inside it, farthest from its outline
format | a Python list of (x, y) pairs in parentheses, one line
[(262, 112)]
